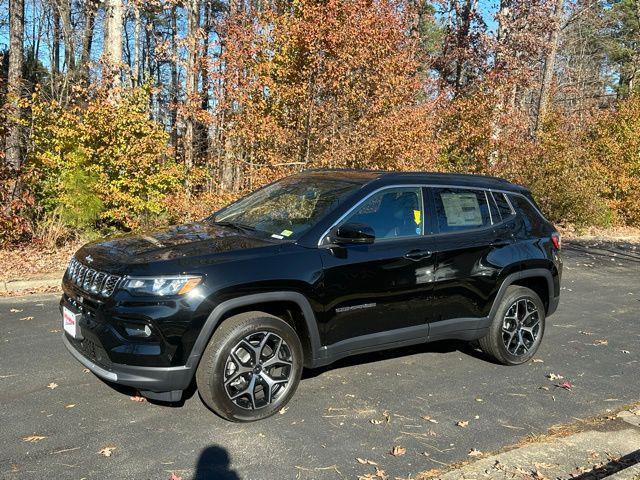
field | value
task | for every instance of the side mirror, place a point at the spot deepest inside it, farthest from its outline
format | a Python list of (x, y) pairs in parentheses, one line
[(352, 234)]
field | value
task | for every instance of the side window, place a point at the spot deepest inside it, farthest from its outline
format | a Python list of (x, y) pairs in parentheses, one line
[(503, 205), (392, 213), (532, 219), (493, 208), (459, 209)]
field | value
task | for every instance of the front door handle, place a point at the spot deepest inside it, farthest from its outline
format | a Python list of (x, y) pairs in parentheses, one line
[(417, 254)]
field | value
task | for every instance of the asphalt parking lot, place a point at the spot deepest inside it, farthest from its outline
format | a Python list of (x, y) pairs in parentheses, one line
[(419, 399)]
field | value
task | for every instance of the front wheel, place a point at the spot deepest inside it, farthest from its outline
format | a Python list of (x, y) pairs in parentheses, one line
[(517, 328), (251, 367)]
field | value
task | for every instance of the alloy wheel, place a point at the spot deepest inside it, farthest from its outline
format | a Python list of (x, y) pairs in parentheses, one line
[(520, 327), (258, 370)]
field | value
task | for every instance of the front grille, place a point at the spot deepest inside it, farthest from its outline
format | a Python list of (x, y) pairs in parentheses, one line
[(92, 281)]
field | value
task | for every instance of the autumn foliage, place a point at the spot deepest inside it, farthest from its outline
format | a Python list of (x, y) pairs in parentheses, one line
[(377, 84)]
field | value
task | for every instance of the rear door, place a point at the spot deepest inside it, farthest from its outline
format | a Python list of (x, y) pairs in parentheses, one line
[(379, 293), (465, 274)]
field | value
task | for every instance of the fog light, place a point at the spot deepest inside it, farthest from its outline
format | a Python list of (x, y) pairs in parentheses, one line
[(137, 330)]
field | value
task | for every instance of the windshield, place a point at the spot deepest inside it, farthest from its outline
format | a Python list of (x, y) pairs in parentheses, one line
[(288, 208)]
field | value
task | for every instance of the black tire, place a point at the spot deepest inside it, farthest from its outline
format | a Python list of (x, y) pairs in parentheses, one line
[(521, 349), (214, 366)]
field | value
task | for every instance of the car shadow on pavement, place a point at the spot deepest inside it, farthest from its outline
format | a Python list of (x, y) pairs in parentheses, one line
[(213, 463), (444, 346)]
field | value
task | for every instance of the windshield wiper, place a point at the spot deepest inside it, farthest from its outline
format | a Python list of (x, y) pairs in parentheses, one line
[(237, 226)]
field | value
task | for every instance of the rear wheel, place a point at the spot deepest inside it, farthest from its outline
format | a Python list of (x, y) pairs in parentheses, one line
[(517, 328), (251, 367)]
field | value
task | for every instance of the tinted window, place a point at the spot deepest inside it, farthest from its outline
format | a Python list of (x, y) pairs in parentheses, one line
[(288, 208), (460, 209), (530, 216), (393, 212), (503, 205)]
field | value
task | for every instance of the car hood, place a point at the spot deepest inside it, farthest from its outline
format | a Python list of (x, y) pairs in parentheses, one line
[(175, 244)]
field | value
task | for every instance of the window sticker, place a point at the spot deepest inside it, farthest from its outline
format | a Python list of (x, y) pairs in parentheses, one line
[(461, 209), (417, 216), (286, 233)]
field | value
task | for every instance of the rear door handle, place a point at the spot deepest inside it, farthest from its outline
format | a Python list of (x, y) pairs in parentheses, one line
[(417, 254)]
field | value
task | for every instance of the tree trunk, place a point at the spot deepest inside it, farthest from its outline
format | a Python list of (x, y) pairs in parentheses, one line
[(87, 36), (13, 157), (191, 83), (173, 112), (113, 30), (64, 12), (137, 44), (549, 65), (55, 56)]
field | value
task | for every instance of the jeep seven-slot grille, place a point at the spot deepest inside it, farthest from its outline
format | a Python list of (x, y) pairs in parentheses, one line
[(90, 280)]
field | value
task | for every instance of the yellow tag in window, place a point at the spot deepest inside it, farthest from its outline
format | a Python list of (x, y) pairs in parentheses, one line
[(417, 217)]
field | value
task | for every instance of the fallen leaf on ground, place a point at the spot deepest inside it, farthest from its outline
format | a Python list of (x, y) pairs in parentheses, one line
[(462, 423), (15, 310), (474, 453), (544, 388), (381, 474), (625, 351), (375, 422), (601, 342), (283, 410), (71, 405), (34, 438), (554, 376), (85, 370), (174, 477), (55, 330), (586, 333), (434, 472), (364, 461), (429, 419), (397, 451), (52, 385), (566, 385), (107, 451), (537, 360), (479, 400), (138, 398), (26, 319)]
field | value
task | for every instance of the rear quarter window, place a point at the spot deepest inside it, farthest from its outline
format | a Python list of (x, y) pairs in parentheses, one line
[(503, 206), (533, 220)]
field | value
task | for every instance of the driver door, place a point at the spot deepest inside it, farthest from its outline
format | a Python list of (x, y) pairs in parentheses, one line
[(380, 293)]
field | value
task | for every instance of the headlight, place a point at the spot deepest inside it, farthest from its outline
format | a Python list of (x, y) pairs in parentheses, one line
[(163, 286)]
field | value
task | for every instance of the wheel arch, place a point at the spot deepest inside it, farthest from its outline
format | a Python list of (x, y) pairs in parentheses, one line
[(292, 307), (539, 280)]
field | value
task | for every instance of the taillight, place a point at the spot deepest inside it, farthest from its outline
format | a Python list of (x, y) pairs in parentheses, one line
[(556, 240)]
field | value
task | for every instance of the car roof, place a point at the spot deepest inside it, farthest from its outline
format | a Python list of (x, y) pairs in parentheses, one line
[(383, 178)]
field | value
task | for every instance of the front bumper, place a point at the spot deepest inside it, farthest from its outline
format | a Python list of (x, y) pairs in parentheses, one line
[(160, 383)]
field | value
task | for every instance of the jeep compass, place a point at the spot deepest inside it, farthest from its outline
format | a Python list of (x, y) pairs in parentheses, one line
[(305, 271)]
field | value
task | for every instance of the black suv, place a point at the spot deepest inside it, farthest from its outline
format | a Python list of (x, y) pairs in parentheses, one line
[(308, 270)]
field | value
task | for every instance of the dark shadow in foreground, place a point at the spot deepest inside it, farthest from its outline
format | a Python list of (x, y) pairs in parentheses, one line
[(611, 467), (213, 464)]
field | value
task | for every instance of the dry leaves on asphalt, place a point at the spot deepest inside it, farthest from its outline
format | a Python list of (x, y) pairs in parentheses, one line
[(397, 451), (474, 453), (566, 385), (601, 342), (375, 422), (364, 461), (34, 438), (26, 319), (429, 419), (138, 398), (537, 360), (627, 352), (554, 376), (71, 405), (283, 410), (15, 310), (174, 477), (462, 423), (52, 385), (107, 451)]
